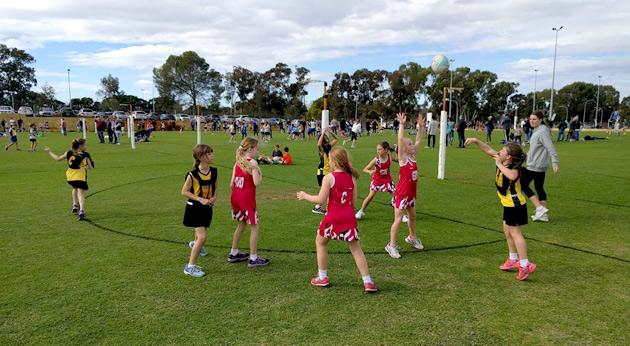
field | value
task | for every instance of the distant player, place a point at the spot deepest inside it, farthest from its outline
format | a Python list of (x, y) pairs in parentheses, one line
[(340, 189), (79, 161), (201, 189), (32, 136), (14, 140), (507, 180), (245, 177), (324, 145), (404, 198), (378, 168)]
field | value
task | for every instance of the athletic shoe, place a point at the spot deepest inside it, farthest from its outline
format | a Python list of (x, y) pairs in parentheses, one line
[(370, 287), (194, 271), (415, 242), (523, 273), (405, 218), (202, 253), (359, 214), (81, 216), (319, 210), (352, 146), (510, 264), (258, 262), (316, 281), (239, 257), (392, 251), (539, 213), (544, 218), (75, 209)]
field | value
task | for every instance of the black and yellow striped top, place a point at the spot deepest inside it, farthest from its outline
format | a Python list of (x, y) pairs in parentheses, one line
[(509, 191), (203, 185), (76, 162), (324, 165)]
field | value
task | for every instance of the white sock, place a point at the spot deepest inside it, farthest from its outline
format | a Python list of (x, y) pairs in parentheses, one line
[(253, 257), (323, 274), (513, 256), (524, 263), (366, 279), (234, 252), (540, 208)]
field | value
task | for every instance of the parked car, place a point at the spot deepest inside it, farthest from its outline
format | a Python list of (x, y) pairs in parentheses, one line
[(182, 117), (86, 112), (244, 119), (227, 118), (6, 110), (66, 112), (120, 115), (140, 115), (274, 121), (167, 117), (154, 116), (25, 110), (46, 112)]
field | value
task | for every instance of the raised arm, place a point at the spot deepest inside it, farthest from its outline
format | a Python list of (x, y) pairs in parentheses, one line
[(402, 118), (419, 132), (57, 158), (335, 138), (483, 146)]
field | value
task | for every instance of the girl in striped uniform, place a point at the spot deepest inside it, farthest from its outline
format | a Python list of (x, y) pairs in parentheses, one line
[(246, 175), (201, 189), (378, 168), (79, 161), (508, 182), (404, 198), (340, 189)]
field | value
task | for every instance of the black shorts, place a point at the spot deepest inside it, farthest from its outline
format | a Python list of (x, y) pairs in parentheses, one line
[(515, 216), (320, 178), (33, 139), (78, 184), (197, 215), (353, 135)]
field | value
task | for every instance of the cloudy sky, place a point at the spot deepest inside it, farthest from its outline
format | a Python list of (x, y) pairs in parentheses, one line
[(129, 38)]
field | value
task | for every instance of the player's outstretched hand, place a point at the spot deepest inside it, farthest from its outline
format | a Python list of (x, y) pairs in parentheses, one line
[(402, 118), (301, 195), (46, 149), (421, 121), (470, 141)]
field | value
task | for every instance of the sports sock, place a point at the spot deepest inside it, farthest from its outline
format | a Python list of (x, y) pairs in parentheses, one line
[(253, 257), (513, 256), (392, 244), (234, 252), (366, 279), (323, 274), (524, 263)]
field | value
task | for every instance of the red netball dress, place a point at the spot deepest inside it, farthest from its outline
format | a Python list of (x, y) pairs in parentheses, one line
[(339, 222), (405, 194), (382, 178), (244, 197)]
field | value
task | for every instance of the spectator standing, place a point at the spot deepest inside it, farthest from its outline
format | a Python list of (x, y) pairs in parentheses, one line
[(489, 129), (461, 131), (63, 127), (431, 132)]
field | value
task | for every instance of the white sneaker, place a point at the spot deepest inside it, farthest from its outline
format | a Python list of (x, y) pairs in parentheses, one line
[(392, 251), (359, 214), (415, 242), (540, 211), (405, 218)]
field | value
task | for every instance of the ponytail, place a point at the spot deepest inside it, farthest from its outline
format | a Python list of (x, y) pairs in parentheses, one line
[(385, 145), (241, 159), (76, 144), (340, 156)]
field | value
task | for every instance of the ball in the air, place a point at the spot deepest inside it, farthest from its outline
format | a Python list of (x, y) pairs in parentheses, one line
[(440, 64)]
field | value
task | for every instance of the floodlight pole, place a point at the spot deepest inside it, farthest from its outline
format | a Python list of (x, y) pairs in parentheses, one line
[(597, 102), (553, 75), (535, 77)]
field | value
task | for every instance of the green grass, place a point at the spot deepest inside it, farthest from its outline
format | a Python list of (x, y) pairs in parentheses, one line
[(119, 279)]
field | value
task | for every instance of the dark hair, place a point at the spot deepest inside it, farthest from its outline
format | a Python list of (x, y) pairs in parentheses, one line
[(538, 114), (386, 146), (286, 149), (199, 151), (76, 144), (516, 151)]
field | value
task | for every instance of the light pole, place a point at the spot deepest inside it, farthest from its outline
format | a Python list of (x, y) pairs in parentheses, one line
[(535, 77), (597, 103), (553, 75), (450, 90), (69, 92), (456, 107), (153, 99), (584, 116), (567, 109)]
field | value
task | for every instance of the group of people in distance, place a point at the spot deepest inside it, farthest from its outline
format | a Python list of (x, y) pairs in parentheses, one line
[(338, 188)]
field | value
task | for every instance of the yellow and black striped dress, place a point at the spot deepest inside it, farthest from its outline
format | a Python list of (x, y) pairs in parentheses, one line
[(203, 185), (76, 174), (509, 191)]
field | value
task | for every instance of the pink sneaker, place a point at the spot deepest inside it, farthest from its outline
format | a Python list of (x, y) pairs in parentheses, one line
[(523, 273), (370, 287), (320, 282), (510, 264)]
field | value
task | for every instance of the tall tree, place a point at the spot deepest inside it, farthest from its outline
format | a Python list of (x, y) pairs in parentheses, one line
[(15, 74), (110, 87), (49, 93)]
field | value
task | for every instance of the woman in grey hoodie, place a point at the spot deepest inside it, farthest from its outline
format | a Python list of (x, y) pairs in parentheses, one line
[(541, 148)]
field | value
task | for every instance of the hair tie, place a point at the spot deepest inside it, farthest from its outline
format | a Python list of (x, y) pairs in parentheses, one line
[(240, 147), (348, 164)]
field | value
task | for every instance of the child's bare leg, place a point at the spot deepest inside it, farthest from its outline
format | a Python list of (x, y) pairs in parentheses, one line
[(411, 223), (359, 257), (508, 238), (238, 234), (200, 240), (398, 214), (519, 241), (321, 244), (367, 200), (75, 196), (253, 239)]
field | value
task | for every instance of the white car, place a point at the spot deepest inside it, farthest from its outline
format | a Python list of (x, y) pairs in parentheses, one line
[(139, 115), (46, 112), (86, 112), (25, 110), (182, 117), (6, 110), (244, 119), (227, 118), (120, 115)]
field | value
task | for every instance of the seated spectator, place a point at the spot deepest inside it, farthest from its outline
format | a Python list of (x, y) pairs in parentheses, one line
[(286, 158), (262, 159), (276, 155)]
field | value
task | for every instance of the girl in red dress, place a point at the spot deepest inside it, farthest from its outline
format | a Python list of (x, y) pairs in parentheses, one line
[(246, 175), (378, 168), (339, 223), (404, 198)]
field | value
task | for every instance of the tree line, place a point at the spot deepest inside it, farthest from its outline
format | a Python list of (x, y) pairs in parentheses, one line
[(187, 81)]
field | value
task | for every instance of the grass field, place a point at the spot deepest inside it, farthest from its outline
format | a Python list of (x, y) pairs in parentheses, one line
[(118, 279)]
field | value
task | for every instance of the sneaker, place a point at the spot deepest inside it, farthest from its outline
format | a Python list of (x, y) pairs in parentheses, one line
[(359, 214), (539, 213), (544, 218), (316, 281), (194, 271), (370, 287), (392, 251), (258, 262), (415, 242), (81, 216), (319, 210), (352, 146), (202, 253), (75, 209), (523, 273), (510, 264), (405, 218), (239, 257)]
